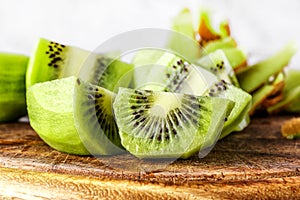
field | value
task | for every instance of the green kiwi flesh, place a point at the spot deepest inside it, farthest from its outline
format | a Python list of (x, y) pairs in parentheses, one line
[(224, 43), (291, 94), (262, 71), (196, 82), (94, 119), (218, 64), (183, 41), (168, 125), (12, 82), (164, 71), (50, 111), (51, 60)]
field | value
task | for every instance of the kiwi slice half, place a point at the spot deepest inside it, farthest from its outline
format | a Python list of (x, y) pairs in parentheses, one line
[(174, 74), (218, 64), (51, 60), (94, 119), (262, 71), (12, 82), (156, 124), (50, 111)]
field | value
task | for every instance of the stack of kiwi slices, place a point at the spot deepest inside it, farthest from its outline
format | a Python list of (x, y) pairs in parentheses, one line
[(160, 104)]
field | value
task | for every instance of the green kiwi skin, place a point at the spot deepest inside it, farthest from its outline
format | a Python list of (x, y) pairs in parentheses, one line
[(262, 71), (99, 133), (51, 115), (12, 90), (212, 111)]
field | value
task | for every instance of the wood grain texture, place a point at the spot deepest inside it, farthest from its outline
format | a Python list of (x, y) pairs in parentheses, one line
[(256, 163)]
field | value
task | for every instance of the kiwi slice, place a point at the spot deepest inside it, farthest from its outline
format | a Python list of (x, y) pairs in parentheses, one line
[(184, 41), (218, 64), (51, 60), (50, 111), (206, 31), (94, 119), (262, 71), (164, 71), (291, 94), (224, 43), (12, 90), (173, 74), (168, 125)]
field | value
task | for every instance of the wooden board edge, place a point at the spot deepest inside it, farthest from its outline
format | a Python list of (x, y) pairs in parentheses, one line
[(39, 185)]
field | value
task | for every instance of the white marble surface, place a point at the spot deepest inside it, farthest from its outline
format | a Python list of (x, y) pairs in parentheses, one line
[(260, 26)]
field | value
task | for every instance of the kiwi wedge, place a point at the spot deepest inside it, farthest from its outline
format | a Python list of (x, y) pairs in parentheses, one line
[(12, 86), (206, 31), (173, 74), (156, 124), (263, 70), (50, 111), (94, 119), (51, 60), (218, 64), (291, 94)]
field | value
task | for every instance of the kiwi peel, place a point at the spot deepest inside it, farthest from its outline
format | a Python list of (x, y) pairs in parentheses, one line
[(12, 90), (168, 125)]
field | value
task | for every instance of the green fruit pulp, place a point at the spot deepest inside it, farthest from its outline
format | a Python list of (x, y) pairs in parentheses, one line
[(191, 136), (51, 60), (262, 71), (12, 86), (94, 119), (50, 111)]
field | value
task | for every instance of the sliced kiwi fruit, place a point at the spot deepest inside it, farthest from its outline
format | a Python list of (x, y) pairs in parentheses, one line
[(51, 60), (207, 32), (50, 111), (269, 94), (224, 43), (94, 119), (168, 125), (12, 86), (184, 40), (291, 94), (218, 64), (173, 74), (164, 71), (262, 71), (290, 129)]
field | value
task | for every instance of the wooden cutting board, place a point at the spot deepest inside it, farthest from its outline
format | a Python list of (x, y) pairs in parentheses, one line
[(256, 163)]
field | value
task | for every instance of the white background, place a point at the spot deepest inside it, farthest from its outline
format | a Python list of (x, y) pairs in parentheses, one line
[(260, 26)]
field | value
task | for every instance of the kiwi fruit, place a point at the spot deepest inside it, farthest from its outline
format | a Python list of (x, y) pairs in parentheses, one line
[(290, 129), (12, 90), (207, 33), (164, 71), (156, 124), (291, 94), (218, 64), (173, 74), (224, 43), (183, 40), (50, 111), (94, 119), (51, 60), (263, 70)]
